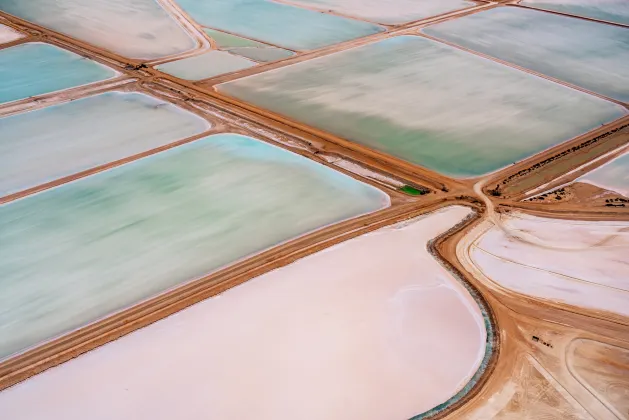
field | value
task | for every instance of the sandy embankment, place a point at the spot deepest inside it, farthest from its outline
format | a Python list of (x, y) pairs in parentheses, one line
[(371, 328)]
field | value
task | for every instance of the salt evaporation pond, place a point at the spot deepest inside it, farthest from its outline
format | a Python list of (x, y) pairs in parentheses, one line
[(428, 103), (36, 68), (338, 335), (8, 34), (388, 12), (76, 253), (247, 48), (587, 54), (613, 176), (56, 141), (580, 263), (609, 10), (277, 23), (206, 65), (131, 28)]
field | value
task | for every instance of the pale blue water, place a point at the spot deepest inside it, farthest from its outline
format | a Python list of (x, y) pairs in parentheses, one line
[(131, 28), (47, 144), (609, 10), (36, 68), (613, 175), (428, 103), (76, 253), (206, 65), (279, 24), (588, 54)]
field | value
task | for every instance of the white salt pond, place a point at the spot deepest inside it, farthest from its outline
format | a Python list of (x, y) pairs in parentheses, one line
[(53, 142), (610, 10), (276, 23), (428, 103), (36, 68), (76, 253), (587, 54), (8, 34), (584, 263), (131, 28), (388, 12), (206, 65), (613, 176), (373, 328)]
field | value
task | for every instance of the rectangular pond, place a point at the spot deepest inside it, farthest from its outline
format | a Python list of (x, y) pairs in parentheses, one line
[(610, 10), (35, 69), (428, 103), (131, 28), (587, 54), (391, 12), (79, 252), (206, 65), (50, 143), (614, 175), (277, 23)]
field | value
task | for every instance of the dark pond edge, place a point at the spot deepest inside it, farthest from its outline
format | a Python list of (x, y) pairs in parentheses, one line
[(491, 343)]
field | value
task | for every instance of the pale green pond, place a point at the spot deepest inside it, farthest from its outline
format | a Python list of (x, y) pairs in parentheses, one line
[(277, 23), (35, 69), (587, 54), (609, 10), (206, 65), (131, 28), (74, 254), (428, 103), (247, 48), (56, 141)]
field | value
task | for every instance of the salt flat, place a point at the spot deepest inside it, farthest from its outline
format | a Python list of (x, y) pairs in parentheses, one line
[(575, 262), (369, 329)]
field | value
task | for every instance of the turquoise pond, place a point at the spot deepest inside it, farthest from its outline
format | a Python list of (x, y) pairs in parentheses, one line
[(36, 69), (131, 28), (587, 54), (53, 142), (428, 103), (277, 23), (613, 176), (206, 65), (609, 10), (76, 253)]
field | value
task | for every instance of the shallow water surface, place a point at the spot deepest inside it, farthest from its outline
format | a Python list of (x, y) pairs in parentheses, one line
[(76, 253), (428, 103), (206, 65), (277, 23), (36, 68), (388, 12), (328, 337), (613, 176), (587, 54), (132, 28), (47, 144), (609, 10)]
